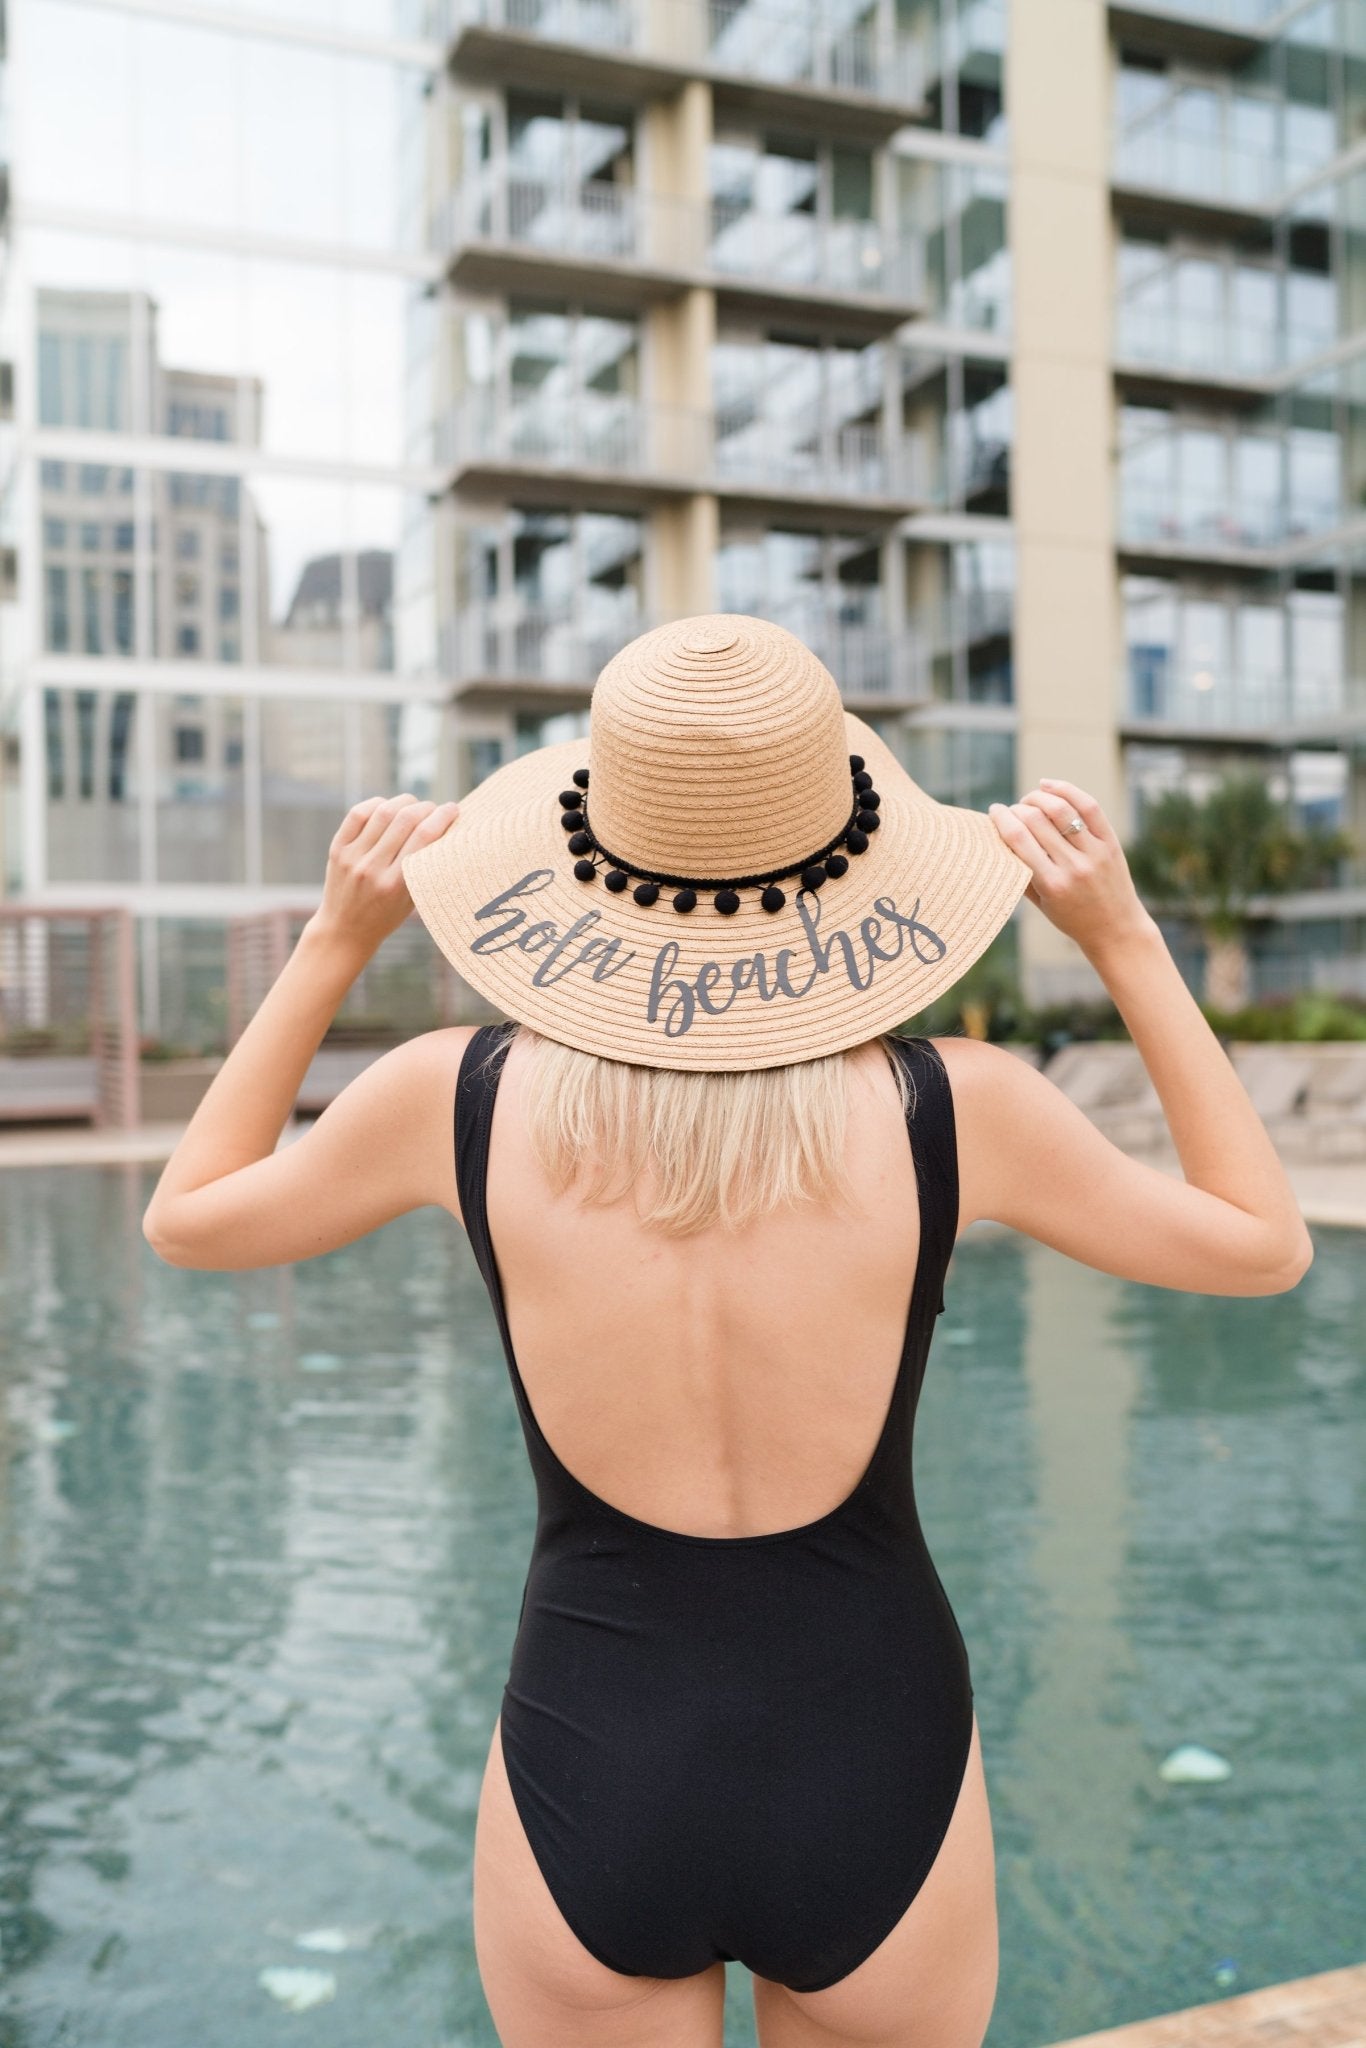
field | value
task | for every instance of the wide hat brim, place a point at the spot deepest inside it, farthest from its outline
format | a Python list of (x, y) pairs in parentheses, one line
[(652, 987)]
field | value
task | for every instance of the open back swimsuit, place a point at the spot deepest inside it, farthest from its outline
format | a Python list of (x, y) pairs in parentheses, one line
[(736, 1747)]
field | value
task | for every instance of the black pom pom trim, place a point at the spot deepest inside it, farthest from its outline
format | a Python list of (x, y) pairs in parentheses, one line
[(580, 842), (580, 776), (773, 898), (616, 881), (812, 877), (863, 780), (836, 866), (870, 800), (855, 762), (726, 901), (584, 870), (856, 841), (646, 893), (571, 820), (868, 821), (571, 799), (686, 899)]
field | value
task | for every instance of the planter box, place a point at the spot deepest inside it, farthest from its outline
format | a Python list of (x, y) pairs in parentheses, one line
[(172, 1090)]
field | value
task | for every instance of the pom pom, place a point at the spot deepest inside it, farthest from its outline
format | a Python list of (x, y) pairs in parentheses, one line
[(812, 877), (571, 799), (686, 899), (855, 762), (856, 841), (863, 780), (646, 893), (867, 821), (571, 820), (581, 842), (585, 870), (580, 776), (836, 865), (616, 881), (773, 897), (726, 901), (870, 800)]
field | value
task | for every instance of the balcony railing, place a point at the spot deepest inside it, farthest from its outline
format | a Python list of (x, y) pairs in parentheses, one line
[(965, 617), (516, 642), (1247, 15), (678, 447), (1245, 699), (801, 45), (599, 222), (1210, 168), (1223, 523)]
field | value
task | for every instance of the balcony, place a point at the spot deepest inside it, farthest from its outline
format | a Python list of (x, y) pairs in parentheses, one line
[(612, 441), (1214, 527), (494, 649), (766, 55), (538, 648), (1162, 697), (507, 227), (966, 618), (1201, 173)]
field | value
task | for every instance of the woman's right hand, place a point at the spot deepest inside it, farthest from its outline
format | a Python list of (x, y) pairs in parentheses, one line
[(1081, 880), (365, 897)]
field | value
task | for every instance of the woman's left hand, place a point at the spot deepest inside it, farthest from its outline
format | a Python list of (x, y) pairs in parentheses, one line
[(364, 895)]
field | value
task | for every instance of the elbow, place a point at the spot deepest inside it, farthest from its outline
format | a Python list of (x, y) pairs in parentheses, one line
[(160, 1240), (1291, 1269)]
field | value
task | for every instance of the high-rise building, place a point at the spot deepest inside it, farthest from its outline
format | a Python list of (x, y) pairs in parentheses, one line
[(1008, 355)]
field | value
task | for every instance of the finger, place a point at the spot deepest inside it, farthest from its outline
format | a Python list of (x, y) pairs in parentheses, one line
[(380, 821), (1062, 814), (1085, 806), (1019, 838), (1059, 850), (352, 824), (397, 835), (436, 823)]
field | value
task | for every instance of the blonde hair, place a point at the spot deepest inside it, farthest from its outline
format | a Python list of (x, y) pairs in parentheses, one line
[(719, 1147)]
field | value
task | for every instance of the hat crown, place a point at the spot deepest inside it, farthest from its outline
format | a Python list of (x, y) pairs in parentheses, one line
[(717, 747)]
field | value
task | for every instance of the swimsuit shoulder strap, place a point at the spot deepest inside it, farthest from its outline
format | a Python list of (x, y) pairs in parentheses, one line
[(934, 1151), (476, 1090)]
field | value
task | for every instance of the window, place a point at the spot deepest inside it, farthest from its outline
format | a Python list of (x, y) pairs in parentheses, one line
[(91, 533), (58, 621), (188, 741), (90, 610), (187, 639), (54, 533), (187, 544)]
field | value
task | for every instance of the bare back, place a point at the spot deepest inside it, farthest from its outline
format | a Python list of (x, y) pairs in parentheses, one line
[(725, 1383)]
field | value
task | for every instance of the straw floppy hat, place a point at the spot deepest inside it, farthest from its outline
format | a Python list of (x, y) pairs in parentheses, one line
[(732, 871)]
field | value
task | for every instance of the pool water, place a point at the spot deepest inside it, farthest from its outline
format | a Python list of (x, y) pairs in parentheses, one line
[(262, 1540)]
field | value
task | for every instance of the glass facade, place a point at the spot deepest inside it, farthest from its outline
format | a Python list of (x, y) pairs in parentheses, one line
[(1240, 345)]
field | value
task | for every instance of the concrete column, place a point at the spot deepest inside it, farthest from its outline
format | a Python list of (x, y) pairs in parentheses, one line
[(679, 337), (1067, 640)]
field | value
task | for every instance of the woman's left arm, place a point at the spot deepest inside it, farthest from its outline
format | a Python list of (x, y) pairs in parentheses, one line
[(227, 1198)]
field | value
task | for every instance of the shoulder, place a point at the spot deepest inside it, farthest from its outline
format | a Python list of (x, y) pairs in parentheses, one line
[(992, 1085), (416, 1070)]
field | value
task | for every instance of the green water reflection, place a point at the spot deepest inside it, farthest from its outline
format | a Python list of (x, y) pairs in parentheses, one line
[(262, 1539)]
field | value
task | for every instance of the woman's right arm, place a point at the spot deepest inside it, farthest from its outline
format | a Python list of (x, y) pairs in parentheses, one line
[(1030, 1158)]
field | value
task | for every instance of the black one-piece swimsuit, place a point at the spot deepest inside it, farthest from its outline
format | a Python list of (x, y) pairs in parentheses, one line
[(736, 1747)]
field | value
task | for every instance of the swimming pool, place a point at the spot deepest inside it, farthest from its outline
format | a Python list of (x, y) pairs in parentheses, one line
[(262, 1539)]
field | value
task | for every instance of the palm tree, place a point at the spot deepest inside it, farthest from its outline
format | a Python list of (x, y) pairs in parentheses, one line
[(1207, 859)]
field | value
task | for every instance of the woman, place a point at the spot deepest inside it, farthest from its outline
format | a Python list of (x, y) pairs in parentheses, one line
[(739, 1719)]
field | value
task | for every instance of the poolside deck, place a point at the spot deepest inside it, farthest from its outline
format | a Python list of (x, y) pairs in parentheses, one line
[(1325, 2011), (1329, 1193)]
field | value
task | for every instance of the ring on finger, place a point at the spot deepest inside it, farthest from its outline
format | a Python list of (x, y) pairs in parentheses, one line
[(1074, 824)]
